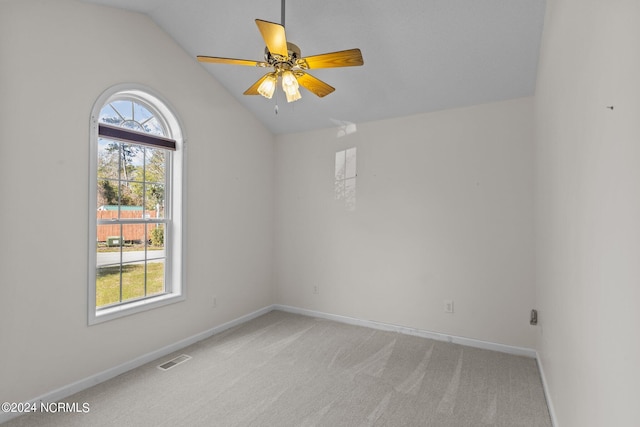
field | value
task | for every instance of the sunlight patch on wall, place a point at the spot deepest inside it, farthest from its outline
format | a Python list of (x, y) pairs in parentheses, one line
[(345, 178)]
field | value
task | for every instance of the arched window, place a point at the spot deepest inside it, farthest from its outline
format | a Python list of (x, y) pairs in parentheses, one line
[(135, 203)]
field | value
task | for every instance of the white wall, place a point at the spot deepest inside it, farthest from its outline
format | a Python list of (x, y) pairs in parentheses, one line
[(56, 58), (588, 210), (444, 210)]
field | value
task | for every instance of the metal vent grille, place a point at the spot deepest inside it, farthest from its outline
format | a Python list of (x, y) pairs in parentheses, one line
[(174, 362)]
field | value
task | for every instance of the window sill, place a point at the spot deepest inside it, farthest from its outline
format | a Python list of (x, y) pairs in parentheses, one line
[(99, 316)]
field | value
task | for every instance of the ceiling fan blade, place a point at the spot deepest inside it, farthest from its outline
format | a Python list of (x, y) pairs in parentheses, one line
[(274, 37), (313, 84), (343, 58), (217, 60), (253, 90)]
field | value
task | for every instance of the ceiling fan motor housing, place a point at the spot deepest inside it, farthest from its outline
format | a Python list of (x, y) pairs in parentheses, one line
[(281, 63)]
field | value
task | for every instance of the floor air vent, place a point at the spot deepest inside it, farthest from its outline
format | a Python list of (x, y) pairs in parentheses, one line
[(174, 362)]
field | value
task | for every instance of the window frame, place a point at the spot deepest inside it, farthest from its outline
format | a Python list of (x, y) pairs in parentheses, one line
[(175, 203)]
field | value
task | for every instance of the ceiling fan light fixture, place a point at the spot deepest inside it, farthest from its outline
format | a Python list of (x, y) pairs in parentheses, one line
[(290, 86), (294, 96), (268, 86)]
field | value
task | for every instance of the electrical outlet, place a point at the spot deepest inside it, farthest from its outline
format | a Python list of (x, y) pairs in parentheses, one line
[(448, 306), (316, 289), (214, 302)]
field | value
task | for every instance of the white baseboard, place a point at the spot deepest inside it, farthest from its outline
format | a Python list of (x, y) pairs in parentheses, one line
[(469, 342), (547, 394), (70, 389), (73, 388)]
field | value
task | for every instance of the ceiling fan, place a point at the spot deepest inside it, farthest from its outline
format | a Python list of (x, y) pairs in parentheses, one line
[(288, 64)]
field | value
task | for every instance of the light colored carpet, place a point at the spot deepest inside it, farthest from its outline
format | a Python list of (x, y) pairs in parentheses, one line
[(284, 369)]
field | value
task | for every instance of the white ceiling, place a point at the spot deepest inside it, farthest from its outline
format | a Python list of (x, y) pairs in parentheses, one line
[(419, 55)]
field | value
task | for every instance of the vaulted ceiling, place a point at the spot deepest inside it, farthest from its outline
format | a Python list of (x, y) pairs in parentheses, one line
[(419, 55)]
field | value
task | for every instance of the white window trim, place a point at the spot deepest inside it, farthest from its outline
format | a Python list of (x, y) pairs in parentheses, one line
[(176, 253)]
